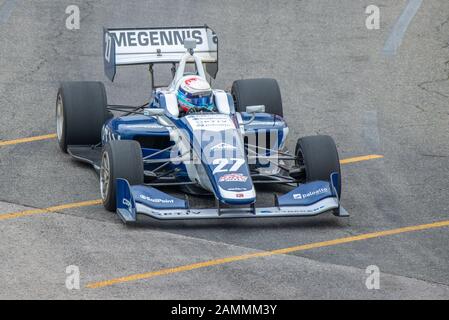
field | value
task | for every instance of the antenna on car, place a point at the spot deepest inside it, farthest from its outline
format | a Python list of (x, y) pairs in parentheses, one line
[(190, 44)]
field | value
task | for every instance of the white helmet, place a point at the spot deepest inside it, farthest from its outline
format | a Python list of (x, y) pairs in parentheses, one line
[(194, 92)]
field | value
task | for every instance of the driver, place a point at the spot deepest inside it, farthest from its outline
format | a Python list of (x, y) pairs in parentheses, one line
[(194, 95)]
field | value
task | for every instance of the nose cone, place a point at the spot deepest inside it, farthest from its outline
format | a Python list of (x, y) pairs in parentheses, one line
[(236, 188), (230, 173), (218, 142)]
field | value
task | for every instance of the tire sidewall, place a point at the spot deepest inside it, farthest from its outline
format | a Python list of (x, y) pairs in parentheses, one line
[(110, 201), (63, 139)]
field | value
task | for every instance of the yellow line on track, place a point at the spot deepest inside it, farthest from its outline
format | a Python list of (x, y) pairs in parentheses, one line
[(31, 212), (361, 158), (210, 263), (25, 140)]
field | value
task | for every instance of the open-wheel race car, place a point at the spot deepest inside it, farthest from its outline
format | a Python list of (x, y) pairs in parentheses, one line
[(201, 140)]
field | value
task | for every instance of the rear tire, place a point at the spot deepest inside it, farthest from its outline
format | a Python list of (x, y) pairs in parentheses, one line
[(120, 159), (319, 156), (251, 92), (81, 111)]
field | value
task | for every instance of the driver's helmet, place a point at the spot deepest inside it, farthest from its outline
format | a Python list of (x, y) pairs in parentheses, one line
[(194, 92)]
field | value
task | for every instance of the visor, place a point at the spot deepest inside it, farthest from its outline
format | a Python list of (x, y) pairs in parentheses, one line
[(204, 101)]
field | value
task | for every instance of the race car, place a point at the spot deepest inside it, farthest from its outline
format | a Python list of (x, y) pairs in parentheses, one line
[(202, 141)]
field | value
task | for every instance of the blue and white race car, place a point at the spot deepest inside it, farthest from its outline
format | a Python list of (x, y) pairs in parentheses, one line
[(204, 141)]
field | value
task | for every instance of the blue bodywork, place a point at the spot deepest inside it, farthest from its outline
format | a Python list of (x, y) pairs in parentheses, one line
[(219, 163)]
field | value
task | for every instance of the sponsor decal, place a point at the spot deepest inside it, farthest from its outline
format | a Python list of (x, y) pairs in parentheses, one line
[(236, 189), (300, 196), (142, 126), (211, 122), (156, 200), (156, 41), (127, 203), (233, 177), (155, 38)]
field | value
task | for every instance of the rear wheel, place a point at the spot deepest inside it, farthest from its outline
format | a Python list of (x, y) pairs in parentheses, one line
[(81, 111), (251, 92), (119, 159), (319, 157)]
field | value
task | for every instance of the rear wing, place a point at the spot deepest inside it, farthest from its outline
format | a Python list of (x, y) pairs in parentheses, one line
[(134, 46)]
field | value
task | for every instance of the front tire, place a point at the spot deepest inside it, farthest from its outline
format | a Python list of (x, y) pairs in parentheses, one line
[(81, 111), (319, 156), (120, 159)]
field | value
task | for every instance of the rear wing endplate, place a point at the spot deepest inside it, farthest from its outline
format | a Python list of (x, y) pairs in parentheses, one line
[(134, 46)]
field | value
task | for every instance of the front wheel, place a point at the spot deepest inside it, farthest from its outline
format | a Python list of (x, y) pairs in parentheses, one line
[(120, 159), (319, 157)]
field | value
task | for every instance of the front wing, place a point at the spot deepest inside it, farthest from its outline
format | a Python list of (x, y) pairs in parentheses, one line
[(306, 200)]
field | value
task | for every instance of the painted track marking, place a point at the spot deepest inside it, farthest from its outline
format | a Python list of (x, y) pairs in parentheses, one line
[(315, 245), (394, 40), (361, 158), (25, 140), (49, 209)]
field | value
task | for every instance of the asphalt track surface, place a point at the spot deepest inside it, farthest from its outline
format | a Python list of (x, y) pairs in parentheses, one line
[(335, 79)]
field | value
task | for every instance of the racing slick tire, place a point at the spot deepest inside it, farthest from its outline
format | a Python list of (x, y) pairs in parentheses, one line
[(119, 159), (81, 111), (319, 156), (251, 92)]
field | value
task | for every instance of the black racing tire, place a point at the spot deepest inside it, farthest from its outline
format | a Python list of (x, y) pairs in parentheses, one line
[(251, 92), (119, 159), (319, 156), (81, 111)]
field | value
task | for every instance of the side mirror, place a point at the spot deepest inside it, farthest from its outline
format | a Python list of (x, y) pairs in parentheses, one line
[(255, 109), (154, 112)]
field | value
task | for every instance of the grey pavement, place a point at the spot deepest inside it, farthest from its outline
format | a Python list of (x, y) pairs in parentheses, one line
[(335, 79)]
